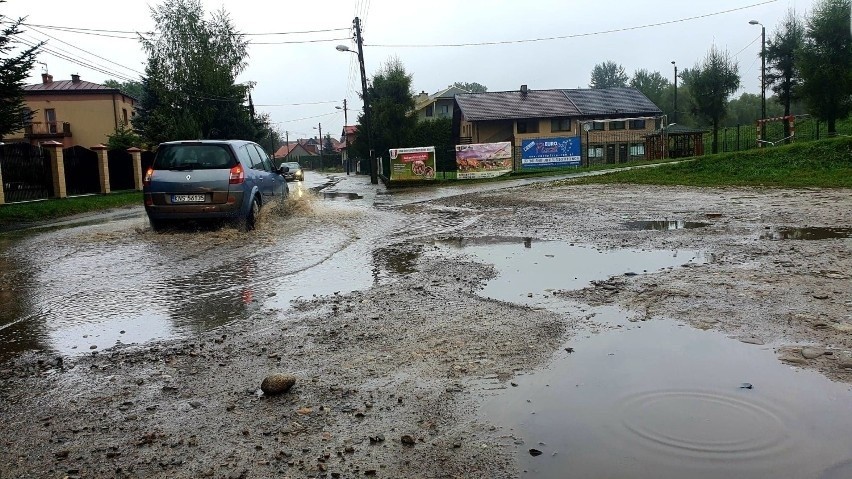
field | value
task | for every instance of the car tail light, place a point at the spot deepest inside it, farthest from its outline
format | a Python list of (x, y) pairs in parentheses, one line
[(237, 175), (148, 175)]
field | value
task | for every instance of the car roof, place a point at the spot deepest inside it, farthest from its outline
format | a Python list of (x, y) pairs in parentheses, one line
[(206, 142)]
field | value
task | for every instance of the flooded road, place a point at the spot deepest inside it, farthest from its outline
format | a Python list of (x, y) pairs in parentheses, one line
[(528, 329), (89, 286), (626, 398)]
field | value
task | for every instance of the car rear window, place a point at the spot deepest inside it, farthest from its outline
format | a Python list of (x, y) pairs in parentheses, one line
[(193, 157)]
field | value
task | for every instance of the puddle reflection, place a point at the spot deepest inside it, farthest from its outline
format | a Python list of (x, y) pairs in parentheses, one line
[(811, 233), (664, 225)]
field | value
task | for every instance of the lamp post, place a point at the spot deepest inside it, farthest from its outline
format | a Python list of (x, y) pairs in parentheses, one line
[(675, 91), (374, 179), (345, 136), (762, 76)]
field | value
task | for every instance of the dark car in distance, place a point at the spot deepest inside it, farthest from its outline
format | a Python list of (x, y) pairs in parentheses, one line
[(294, 171), (211, 179)]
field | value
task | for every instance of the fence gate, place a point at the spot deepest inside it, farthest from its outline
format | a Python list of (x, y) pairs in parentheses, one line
[(120, 170), (81, 171), (26, 172)]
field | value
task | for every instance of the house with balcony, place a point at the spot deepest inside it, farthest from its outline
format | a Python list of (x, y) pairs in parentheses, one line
[(439, 105), (612, 124), (73, 112)]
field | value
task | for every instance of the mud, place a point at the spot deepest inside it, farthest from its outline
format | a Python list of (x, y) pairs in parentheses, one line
[(404, 336)]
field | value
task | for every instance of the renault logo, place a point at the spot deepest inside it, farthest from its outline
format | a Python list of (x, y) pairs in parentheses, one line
[(188, 177)]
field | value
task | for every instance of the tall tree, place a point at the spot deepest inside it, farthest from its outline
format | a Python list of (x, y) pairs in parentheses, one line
[(15, 66), (607, 75), (189, 89), (652, 84), (472, 87), (391, 106), (781, 70), (825, 62), (132, 87), (710, 83)]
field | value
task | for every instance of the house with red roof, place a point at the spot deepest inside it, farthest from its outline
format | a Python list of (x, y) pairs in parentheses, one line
[(73, 112)]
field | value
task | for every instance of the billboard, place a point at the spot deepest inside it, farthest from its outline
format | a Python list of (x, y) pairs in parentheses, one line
[(547, 152), (412, 163), (483, 160)]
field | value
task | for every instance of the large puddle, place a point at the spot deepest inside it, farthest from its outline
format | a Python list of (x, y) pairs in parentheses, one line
[(89, 287), (813, 233), (654, 399)]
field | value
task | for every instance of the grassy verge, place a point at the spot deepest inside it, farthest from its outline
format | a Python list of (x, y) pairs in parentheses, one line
[(820, 164), (21, 213)]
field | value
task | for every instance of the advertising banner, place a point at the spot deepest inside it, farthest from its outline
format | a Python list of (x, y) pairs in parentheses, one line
[(483, 160), (547, 152), (412, 163)]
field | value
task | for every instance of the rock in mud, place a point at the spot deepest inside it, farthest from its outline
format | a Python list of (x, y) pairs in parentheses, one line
[(535, 452), (407, 439), (812, 353), (277, 383)]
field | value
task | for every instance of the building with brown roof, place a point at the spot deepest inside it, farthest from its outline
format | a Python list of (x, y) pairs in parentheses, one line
[(74, 112)]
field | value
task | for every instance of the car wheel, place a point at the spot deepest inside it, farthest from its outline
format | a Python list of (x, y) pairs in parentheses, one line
[(157, 225), (250, 221)]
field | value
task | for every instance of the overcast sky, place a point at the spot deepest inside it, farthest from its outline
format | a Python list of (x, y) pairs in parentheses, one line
[(287, 74)]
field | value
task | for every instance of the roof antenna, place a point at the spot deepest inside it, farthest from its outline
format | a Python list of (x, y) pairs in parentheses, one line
[(45, 66)]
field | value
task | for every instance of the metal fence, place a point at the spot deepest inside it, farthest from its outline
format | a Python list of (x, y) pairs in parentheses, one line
[(81, 171), (121, 175), (26, 172), (744, 137)]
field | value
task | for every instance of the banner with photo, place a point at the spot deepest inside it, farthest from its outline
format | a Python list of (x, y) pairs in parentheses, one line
[(548, 152), (409, 164), (483, 160)]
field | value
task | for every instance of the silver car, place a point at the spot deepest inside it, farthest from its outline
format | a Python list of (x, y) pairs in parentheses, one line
[(211, 179)]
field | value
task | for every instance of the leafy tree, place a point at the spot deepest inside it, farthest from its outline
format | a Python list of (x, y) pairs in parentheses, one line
[(607, 75), (189, 89), (15, 66), (825, 62), (652, 84), (781, 70), (745, 110), (123, 138), (327, 144), (133, 88), (472, 87), (391, 106), (711, 82), (437, 133)]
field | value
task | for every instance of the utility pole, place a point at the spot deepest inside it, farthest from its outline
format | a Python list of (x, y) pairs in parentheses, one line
[(674, 120), (345, 136), (320, 145), (287, 136), (763, 79), (374, 179)]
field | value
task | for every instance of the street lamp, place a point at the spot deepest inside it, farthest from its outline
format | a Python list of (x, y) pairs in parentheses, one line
[(762, 75), (374, 178), (675, 91)]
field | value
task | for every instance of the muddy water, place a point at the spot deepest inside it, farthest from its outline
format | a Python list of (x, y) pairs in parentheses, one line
[(654, 399), (69, 290), (806, 233), (665, 225)]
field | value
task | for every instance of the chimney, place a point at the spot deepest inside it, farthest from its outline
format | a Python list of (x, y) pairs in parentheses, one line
[(75, 78), (46, 78), (524, 91)]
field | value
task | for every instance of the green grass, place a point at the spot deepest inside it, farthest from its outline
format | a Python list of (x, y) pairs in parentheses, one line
[(822, 164), (12, 215)]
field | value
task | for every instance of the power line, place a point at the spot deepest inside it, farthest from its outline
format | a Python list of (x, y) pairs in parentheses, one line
[(750, 44), (563, 37), (306, 118), (299, 104), (87, 52), (102, 32), (72, 59), (299, 41)]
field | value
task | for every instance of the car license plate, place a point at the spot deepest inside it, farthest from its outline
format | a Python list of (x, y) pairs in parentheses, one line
[(187, 198)]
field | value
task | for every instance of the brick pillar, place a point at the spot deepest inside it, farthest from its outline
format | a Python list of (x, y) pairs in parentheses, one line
[(136, 157), (57, 168), (103, 167)]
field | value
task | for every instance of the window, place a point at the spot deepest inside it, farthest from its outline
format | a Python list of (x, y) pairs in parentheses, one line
[(637, 149), (264, 158), (256, 161), (444, 110), (637, 124), (26, 116), (124, 115), (50, 119), (527, 126), (598, 125), (430, 110), (560, 124), (596, 151), (616, 125)]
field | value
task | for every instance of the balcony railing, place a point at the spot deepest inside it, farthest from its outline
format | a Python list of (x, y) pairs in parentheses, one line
[(47, 129)]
